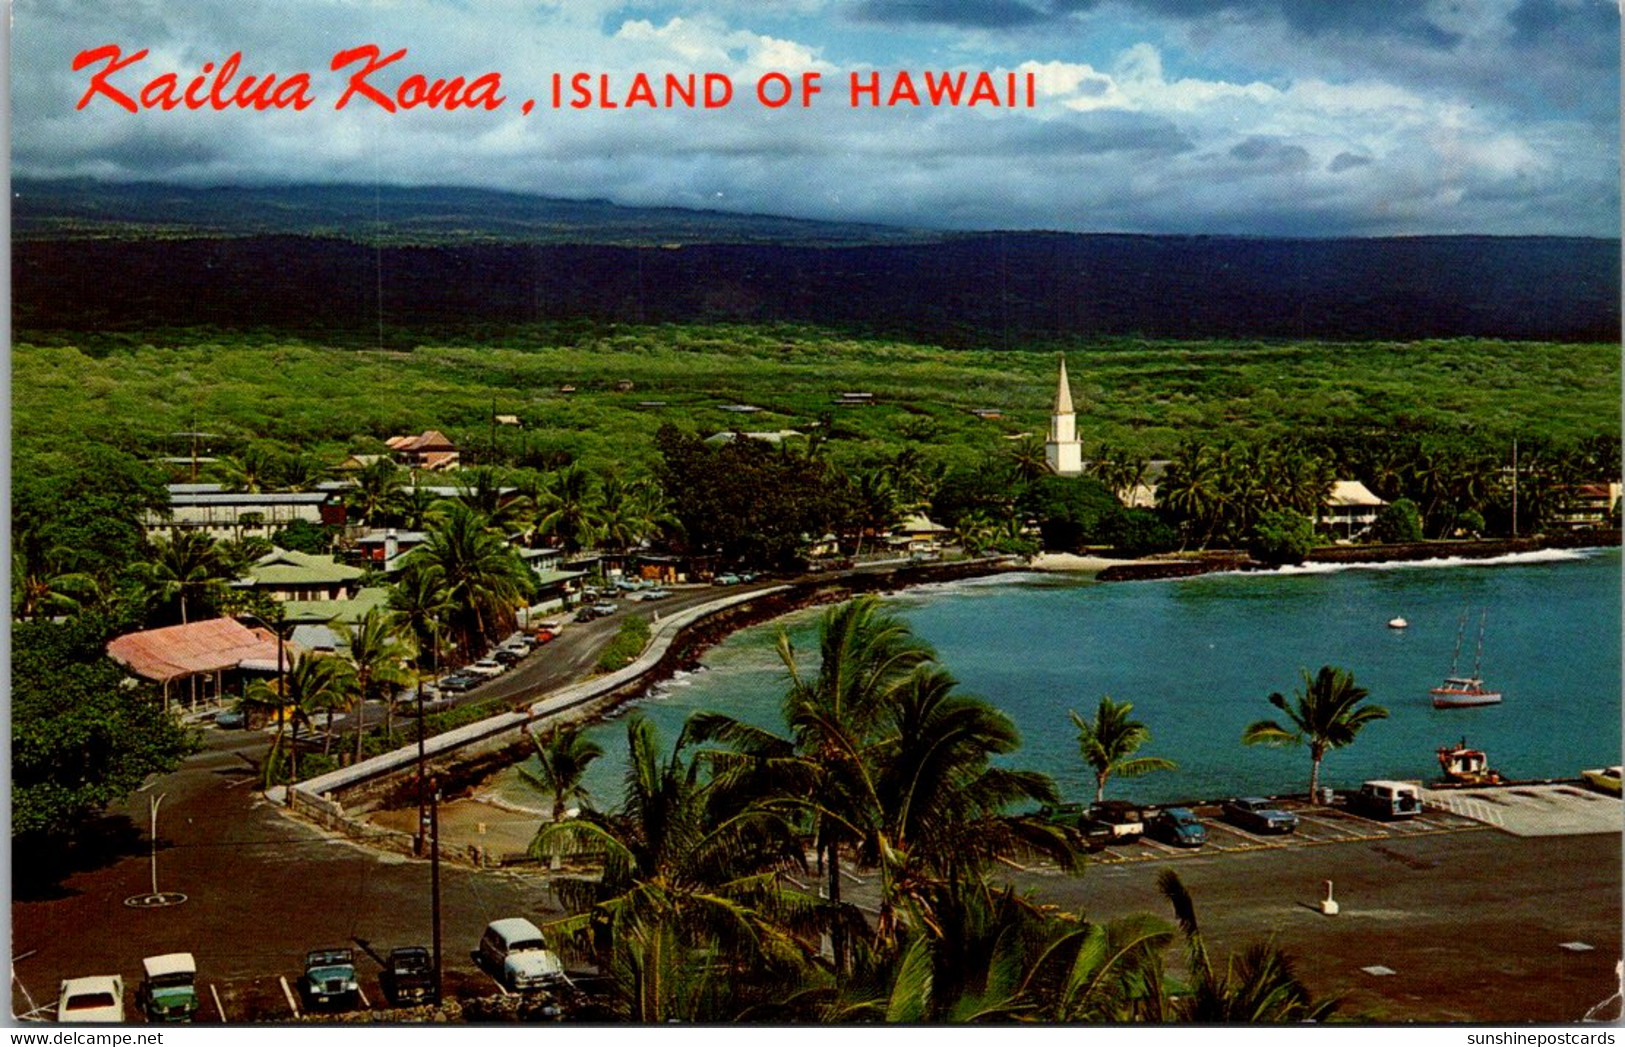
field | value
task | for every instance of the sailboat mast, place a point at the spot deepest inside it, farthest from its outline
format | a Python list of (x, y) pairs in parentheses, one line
[(1461, 629), (1478, 656)]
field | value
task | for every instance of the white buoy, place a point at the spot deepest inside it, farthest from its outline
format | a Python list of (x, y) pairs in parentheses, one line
[(1398, 623), (1328, 904)]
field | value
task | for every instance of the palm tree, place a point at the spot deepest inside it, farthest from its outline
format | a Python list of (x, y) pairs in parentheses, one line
[(1257, 985), (483, 578), (1030, 458), (314, 682), (187, 567), (1109, 742), (1327, 716), (379, 653), (40, 584), (562, 758), (377, 486), (688, 892), (569, 508), (420, 606), (873, 507)]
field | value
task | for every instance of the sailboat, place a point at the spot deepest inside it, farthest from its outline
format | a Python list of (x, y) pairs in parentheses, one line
[(1461, 692)]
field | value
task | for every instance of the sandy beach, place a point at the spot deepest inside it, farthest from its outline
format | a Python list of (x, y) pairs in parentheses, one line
[(1071, 563)]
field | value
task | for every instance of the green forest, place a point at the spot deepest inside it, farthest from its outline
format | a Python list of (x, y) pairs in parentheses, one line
[(1140, 397)]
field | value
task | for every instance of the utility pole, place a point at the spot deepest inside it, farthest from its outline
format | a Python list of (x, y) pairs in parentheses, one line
[(434, 877)]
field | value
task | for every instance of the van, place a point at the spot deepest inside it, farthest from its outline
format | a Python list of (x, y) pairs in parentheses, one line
[(1386, 799), (168, 991), (514, 952)]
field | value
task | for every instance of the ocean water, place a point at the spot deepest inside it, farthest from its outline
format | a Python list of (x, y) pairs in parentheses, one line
[(1198, 658)]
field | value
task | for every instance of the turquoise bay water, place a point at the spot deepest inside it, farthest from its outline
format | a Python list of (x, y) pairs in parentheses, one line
[(1199, 657)]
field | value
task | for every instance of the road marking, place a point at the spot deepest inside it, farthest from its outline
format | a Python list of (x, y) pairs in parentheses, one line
[(359, 991), (293, 1004), (218, 1008)]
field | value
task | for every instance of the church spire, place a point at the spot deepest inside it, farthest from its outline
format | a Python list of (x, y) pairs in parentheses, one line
[(1063, 394), (1063, 451)]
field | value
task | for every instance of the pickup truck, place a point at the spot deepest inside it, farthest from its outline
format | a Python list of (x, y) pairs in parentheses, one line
[(1124, 820)]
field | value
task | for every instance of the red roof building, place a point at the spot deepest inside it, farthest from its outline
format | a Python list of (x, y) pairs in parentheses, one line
[(198, 655)]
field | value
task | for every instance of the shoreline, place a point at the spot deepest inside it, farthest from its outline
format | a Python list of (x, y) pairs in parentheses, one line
[(473, 817)]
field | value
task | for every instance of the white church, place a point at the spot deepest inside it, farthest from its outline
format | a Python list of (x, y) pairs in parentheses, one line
[(1064, 450)]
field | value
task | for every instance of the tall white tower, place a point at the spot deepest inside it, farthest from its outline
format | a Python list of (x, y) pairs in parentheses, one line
[(1063, 450)]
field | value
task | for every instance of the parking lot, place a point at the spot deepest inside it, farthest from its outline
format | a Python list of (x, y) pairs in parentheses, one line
[(1317, 826)]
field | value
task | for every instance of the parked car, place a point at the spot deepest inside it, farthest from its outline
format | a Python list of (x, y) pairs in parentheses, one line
[(725, 579), (657, 593), (1075, 816), (231, 720), (98, 998), (1387, 800), (547, 632), (409, 976), (168, 990), (1127, 820), (456, 683), (1603, 779), (1258, 815), (329, 979), (603, 609), (486, 668), (507, 656), (1177, 826), (514, 952)]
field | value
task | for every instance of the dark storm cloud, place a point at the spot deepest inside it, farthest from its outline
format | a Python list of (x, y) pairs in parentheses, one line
[(1270, 153), (1345, 161), (962, 14)]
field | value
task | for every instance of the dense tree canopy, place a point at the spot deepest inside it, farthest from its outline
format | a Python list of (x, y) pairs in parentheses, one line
[(80, 738)]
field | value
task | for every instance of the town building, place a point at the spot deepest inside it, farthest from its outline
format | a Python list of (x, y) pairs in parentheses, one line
[(201, 662), (1350, 509), (431, 451), (1064, 451), (236, 514), (287, 574)]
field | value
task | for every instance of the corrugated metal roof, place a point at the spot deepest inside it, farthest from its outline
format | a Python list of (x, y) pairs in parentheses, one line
[(290, 567), (198, 647)]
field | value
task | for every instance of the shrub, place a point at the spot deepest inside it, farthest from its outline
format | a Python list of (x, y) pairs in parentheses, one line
[(624, 649), (1282, 536), (1399, 521)]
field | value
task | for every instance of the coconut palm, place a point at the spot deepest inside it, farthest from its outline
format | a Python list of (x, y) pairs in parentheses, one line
[(379, 652), (313, 683), (483, 579), (1030, 458), (569, 508), (187, 567), (1109, 741), (1327, 715), (377, 486), (562, 758), (419, 603), (41, 584), (688, 890)]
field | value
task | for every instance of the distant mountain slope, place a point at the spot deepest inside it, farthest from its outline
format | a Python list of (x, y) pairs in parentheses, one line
[(998, 289), (397, 215)]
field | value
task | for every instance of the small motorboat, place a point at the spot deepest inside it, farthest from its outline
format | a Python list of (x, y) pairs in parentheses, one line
[(1603, 779), (1398, 623), (1464, 766)]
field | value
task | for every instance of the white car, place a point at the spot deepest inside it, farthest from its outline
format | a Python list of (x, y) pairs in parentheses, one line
[(514, 951), (99, 998), (486, 667)]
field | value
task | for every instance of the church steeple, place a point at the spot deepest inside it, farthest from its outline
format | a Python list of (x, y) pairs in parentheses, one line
[(1063, 394), (1064, 451)]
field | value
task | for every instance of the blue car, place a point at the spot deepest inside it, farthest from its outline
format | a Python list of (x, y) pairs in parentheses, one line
[(1177, 826)]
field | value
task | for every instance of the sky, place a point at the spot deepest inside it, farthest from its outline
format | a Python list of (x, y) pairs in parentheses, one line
[(1259, 117)]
